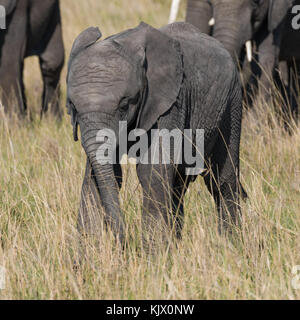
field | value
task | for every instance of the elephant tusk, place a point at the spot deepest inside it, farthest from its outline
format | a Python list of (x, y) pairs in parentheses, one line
[(249, 50), (174, 10), (211, 22)]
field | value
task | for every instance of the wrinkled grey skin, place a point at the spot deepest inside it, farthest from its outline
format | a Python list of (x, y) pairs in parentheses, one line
[(33, 27), (266, 22), (169, 78)]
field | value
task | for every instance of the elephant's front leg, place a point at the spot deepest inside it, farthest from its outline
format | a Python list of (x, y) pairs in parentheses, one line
[(157, 220), (12, 93)]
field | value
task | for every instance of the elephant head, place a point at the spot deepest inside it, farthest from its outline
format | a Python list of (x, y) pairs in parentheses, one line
[(235, 22), (8, 5), (134, 76)]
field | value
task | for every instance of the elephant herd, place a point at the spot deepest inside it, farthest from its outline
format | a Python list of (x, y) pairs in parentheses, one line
[(272, 26), (183, 76)]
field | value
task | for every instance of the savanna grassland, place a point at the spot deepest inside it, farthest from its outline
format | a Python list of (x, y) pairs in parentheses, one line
[(41, 171)]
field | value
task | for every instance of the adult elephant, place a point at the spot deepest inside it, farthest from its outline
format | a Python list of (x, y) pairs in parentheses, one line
[(267, 22), (33, 27), (171, 78)]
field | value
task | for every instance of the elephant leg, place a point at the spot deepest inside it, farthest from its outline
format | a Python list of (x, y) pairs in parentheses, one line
[(268, 62), (12, 90), (13, 93), (223, 188), (180, 187), (13, 43), (223, 178), (157, 183), (294, 74), (20, 87), (51, 63)]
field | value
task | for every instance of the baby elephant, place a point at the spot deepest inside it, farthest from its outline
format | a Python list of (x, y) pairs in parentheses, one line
[(165, 80)]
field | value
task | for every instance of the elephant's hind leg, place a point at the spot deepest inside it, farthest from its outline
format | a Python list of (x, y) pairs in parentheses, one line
[(180, 187), (221, 183), (157, 221), (51, 63), (223, 179)]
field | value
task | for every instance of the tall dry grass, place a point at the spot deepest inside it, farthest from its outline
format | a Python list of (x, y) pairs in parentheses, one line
[(41, 171)]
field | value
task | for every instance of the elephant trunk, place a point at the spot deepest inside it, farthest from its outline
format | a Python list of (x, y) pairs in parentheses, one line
[(229, 31), (105, 180), (199, 13)]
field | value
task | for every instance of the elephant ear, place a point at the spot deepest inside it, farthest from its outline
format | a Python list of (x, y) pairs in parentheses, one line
[(74, 119), (164, 75), (85, 39), (277, 11), (164, 70)]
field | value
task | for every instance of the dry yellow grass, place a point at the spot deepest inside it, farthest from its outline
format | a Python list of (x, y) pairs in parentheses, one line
[(41, 170)]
